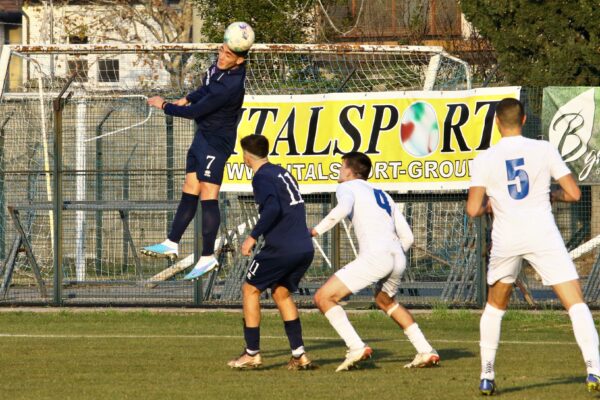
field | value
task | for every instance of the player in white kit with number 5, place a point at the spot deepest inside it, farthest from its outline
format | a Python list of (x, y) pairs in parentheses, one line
[(514, 175), (383, 237)]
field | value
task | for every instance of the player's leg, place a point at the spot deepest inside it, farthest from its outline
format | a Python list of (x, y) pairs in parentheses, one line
[(327, 300), (250, 358), (293, 328), (211, 220), (385, 292), (426, 355), (211, 166), (502, 273), (586, 335), (489, 329), (298, 264), (186, 210), (557, 270)]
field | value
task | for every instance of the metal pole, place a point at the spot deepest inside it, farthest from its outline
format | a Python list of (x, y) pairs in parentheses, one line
[(57, 183), (51, 38), (198, 295), (2, 194), (99, 194), (170, 164), (58, 106), (480, 224), (335, 245)]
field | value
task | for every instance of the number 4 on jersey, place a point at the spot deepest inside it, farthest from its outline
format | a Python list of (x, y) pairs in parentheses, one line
[(382, 200)]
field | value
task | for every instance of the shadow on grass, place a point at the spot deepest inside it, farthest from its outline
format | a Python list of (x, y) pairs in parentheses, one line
[(550, 382), (331, 364), (445, 355), (313, 346)]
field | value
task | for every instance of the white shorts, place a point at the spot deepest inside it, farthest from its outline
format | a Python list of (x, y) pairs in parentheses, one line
[(554, 266), (366, 270)]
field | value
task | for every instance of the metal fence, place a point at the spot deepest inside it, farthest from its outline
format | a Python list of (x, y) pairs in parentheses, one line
[(75, 208), (80, 246), (71, 229)]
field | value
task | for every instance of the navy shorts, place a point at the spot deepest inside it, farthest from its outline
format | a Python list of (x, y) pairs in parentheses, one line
[(205, 161), (287, 271)]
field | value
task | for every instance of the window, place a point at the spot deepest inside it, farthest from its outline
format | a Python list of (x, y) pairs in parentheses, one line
[(77, 39), (108, 70), (80, 69)]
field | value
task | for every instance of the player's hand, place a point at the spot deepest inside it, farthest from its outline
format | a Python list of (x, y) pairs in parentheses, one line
[(156, 102), (182, 102), (248, 245), (314, 233)]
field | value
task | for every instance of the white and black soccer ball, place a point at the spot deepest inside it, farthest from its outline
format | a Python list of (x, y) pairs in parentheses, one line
[(239, 37)]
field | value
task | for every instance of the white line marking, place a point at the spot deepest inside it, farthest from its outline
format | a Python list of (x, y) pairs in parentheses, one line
[(100, 336)]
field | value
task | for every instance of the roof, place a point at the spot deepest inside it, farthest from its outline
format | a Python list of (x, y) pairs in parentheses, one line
[(10, 6)]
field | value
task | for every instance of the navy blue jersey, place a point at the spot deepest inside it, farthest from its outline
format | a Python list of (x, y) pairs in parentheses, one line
[(282, 219), (216, 107)]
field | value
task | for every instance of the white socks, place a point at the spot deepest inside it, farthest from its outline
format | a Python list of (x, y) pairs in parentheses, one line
[(586, 336), (298, 352), (489, 331), (417, 339), (339, 320), (170, 244)]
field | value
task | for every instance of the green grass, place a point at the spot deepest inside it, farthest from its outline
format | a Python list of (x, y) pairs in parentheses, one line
[(150, 355)]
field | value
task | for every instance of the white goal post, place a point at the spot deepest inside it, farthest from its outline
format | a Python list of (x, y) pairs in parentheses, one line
[(112, 140), (388, 67)]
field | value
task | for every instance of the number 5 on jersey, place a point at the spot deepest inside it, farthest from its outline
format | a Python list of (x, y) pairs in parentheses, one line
[(518, 186)]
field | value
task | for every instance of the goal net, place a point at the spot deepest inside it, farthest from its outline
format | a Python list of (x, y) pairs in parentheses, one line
[(122, 165)]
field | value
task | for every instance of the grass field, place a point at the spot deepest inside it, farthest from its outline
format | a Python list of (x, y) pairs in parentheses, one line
[(175, 355)]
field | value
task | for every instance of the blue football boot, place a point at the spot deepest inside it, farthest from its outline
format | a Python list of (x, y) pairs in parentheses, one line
[(487, 387), (161, 250), (204, 265), (593, 383)]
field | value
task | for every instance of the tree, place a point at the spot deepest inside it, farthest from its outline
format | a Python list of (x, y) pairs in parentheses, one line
[(273, 21), (144, 21), (540, 43)]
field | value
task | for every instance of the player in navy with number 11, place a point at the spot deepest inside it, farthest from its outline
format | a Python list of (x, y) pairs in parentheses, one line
[(281, 263)]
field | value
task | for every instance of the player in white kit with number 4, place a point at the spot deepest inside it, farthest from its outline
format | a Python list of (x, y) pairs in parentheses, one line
[(514, 175), (383, 237)]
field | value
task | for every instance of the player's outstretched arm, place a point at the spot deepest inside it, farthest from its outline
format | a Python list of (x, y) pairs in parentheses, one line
[(568, 192), (403, 230), (339, 212), (216, 97), (476, 201), (182, 102)]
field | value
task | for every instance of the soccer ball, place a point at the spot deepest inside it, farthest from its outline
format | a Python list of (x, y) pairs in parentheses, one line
[(239, 37)]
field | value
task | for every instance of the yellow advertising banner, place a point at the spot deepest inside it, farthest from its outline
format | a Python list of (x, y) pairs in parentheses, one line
[(416, 140)]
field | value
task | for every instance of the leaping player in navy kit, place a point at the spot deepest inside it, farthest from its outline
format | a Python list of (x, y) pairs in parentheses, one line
[(281, 263), (383, 237), (216, 108)]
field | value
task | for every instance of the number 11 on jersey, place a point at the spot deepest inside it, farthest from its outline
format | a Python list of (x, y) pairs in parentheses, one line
[(289, 184)]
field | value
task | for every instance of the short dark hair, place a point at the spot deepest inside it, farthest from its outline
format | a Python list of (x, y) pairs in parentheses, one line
[(243, 54), (510, 112), (359, 163), (257, 145)]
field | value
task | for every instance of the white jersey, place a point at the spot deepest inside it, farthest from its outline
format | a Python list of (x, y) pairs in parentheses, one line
[(378, 222), (516, 174)]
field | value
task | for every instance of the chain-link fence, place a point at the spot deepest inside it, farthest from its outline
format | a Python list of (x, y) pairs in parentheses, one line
[(79, 200)]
